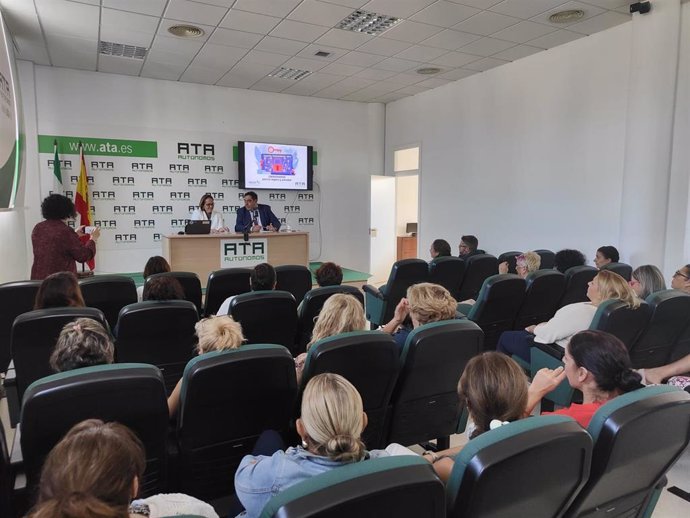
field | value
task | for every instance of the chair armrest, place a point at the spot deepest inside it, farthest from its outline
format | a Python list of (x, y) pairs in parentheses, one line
[(13, 403), (551, 349), (16, 457), (373, 291)]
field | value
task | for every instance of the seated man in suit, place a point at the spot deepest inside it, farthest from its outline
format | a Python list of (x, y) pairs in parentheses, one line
[(254, 216), (468, 247)]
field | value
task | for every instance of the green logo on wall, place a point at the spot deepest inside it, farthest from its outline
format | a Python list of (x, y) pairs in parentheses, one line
[(98, 146)]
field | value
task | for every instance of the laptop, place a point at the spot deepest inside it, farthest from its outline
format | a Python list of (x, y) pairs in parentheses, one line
[(198, 227)]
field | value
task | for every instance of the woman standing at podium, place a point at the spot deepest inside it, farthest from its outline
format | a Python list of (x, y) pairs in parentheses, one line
[(205, 212)]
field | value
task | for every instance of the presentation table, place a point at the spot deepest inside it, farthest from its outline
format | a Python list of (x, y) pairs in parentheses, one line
[(203, 254)]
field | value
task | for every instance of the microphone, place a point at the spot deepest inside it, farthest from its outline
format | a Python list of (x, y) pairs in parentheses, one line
[(245, 231)]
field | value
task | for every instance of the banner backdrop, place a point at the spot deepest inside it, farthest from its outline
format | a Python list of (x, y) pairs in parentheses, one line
[(142, 190)]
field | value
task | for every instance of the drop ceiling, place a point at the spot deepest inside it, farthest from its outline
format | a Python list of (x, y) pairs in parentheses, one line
[(246, 40)]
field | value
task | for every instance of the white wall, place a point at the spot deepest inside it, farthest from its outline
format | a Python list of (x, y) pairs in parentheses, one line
[(347, 136)]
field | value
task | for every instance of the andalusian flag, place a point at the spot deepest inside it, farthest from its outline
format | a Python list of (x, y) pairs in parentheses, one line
[(58, 186), (82, 203)]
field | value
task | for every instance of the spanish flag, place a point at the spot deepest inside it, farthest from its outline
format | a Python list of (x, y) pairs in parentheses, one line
[(82, 203)]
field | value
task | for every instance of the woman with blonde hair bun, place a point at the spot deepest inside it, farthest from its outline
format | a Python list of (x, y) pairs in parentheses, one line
[(330, 427)]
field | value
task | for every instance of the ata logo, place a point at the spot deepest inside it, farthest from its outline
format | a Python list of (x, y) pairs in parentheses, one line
[(305, 197), (282, 220), (75, 179), (124, 209), (227, 209), (123, 180), (178, 223), (69, 194), (175, 195), (218, 195), (71, 223), (142, 167), (144, 223), (161, 181), (291, 209), (195, 151), (103, 195), (102, 166), (156, 237), (280, 196), (305, 221), (179, 168), (142, 195), (229, 183), (105, 224), (64, 164), (197, 182), (192, 208), (162, 209), (248, 248), (213, 169), (125, 238)]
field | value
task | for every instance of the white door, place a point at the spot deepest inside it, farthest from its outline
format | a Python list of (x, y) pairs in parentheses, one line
[(382, 228)]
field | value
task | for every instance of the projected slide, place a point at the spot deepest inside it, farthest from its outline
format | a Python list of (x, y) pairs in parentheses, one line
[(9, 124), (275, 166)]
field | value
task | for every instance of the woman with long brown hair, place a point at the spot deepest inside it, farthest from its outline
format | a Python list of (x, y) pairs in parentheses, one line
[(59, 290)]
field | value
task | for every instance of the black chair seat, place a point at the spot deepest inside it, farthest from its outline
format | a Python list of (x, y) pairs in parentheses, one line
[(294, 278), (267, 317), (223, 284), (15, 298), (191, 285), (109, 293), (478, 268)]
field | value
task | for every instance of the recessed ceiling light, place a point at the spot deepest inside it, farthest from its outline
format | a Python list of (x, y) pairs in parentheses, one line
[(367, 22), (567, 16), (289, 73), (322, 54), (186, 31), (121, 50), (427, 71)]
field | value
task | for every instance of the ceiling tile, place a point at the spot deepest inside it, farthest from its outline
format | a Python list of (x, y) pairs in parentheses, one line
[(399, 8), (406, 79), (311, 50), (128, 28), (450, 39), (341, 69), (518, 52), (360, 59), (272, 84), (299, 31), (90, 2), (201, 74), (486, 46), (218, 56), (165, 24), (599, 23), (524, 31), (319, 13), (589, 10), (411, 32), (249, 22), (305, 64), (72, 52), (220, 3), (171, 50), (555, 38), (396, 65), (479, 4), (433, 82), (243, 75), (354, 83), (412, 90), (157, 70), (444, 14), (384, 47), (32, 52), (343, 39), (232, 38), (67, 19), (119, 65), (151, 7), (458, 73), (420, 53), (264, 58), (313, 83), (333, 92), (486, 23), (271, 7), (455, 59), (525, 8), (359, 97), (485, 64), (609, 4), (280, 45), (195, 12), (375, 75)]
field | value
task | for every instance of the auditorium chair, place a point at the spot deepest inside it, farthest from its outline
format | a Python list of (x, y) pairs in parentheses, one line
[(160, 333), (223, 284), (532, 467), (425, 403), (622, 269), (6, 478), (576, 280), (267, 317), (311, 306), (294, 278), (447, 272), (548, 259), (380, 303), (131, 394), (626, 324), (544, 290), (637, 437), (227, 399), (496, 307), (670, 316), (370, 360), (511, 259), (109, 293), (15, 298), (386, 486), (477, 269), (191, 285)]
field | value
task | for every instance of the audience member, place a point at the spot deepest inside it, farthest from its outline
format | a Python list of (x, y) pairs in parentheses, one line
[(329, 274), (439, 248), (94, 472), (331, 423), (82, 343), (681, 279), (262, 278), (524, 264), (647, 279), (341, 313), (155, 264), (163, 288), (59, 290), (425, 302), (567, 258), (569, 319), (468, 246), (216, 333), (605, 255)]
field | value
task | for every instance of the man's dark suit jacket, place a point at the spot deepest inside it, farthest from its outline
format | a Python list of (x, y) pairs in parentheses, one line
[(244, 218)]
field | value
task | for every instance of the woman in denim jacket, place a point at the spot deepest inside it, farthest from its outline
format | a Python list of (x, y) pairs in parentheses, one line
[(330, 427)]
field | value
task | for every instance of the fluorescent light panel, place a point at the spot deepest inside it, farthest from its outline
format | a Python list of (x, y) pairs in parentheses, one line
[(367, 22)]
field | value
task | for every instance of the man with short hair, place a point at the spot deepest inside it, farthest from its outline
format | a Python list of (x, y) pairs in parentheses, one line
[(254, 216), (468, 246), (261, 278), (439, 248)]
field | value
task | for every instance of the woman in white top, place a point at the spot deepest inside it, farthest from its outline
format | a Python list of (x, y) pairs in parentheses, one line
[(205, 212)]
